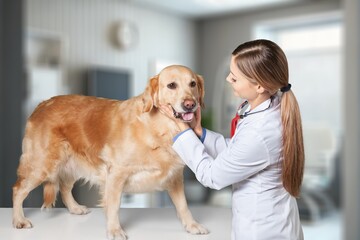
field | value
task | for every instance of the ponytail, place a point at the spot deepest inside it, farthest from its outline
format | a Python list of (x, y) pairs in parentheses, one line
[(293, 145)]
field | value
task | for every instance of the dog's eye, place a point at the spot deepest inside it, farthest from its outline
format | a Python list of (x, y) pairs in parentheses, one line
[(171, 85), (193, 84)]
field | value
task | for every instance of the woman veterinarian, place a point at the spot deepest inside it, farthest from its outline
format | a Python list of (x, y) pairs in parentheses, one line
[(264, 159)]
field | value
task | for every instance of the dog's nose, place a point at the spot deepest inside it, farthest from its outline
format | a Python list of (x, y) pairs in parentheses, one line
[(189, 104)]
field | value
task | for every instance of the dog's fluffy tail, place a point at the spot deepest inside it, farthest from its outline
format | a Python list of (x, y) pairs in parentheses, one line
[(50, 192)]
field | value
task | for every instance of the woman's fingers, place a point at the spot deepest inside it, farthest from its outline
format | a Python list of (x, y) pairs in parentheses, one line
[(167, 110), (198, 116)]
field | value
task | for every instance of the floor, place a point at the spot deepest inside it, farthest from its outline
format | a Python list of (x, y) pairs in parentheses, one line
[(329, 228)]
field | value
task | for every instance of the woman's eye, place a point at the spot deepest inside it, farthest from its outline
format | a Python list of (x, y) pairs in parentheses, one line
[(193, 84), (233, 80), (171, 85)]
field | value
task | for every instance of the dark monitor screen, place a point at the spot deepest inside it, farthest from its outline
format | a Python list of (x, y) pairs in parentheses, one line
[(109, 83)]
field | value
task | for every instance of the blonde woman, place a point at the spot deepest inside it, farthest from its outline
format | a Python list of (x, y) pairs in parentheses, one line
[(264, 159)]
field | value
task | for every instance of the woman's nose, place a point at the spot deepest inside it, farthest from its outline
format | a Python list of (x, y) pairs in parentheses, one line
[(228, 79)]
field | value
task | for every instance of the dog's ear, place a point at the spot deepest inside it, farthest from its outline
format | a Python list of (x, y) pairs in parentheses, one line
[(201, 89), (150, 96)]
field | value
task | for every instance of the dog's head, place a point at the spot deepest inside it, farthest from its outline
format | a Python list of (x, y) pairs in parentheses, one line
[(177, 86)]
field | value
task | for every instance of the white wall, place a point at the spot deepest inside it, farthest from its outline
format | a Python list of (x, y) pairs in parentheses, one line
[(85, 26), (351, 164)]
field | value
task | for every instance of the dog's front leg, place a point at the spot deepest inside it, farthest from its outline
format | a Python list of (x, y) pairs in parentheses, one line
[(111, 201), (177, 195)]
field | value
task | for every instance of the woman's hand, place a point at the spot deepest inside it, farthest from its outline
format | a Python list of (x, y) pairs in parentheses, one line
[(195, 124), (168, 111)]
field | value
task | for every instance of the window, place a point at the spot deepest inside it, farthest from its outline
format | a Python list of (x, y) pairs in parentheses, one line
[(313, 46)]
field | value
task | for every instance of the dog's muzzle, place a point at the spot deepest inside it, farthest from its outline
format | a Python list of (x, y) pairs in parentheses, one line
[(185, 116)]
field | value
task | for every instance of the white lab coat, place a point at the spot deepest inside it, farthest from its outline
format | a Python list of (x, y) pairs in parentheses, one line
[(251, 163)]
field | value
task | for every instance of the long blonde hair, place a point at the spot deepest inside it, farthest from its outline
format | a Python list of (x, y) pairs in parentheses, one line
[(265, 63)]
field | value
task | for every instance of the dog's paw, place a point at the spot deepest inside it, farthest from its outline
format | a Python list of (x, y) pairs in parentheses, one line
[(79, 210), (196, 228), (116, 234), (47, 207), (22, 223)]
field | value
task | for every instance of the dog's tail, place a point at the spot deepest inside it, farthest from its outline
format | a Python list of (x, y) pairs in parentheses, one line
[(50, 191)]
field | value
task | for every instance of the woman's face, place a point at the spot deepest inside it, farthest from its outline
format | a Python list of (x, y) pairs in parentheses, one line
[(242, 87)]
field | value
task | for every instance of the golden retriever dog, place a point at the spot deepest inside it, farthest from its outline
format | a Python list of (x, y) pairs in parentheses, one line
[(121, 146)]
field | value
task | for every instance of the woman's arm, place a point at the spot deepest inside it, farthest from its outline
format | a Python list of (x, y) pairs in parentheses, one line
[(239, 161), (214, 142), (219, 165)]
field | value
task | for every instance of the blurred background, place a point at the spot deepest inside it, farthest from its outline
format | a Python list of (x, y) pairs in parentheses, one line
[(110, 48)]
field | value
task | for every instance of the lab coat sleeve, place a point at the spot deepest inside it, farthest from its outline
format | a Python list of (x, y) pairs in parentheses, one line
[(214, 143), (238, 161)]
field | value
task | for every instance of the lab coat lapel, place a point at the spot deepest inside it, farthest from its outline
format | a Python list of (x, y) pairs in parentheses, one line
[(243, 122)]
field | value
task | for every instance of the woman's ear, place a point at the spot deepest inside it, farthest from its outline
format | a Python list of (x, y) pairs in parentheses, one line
[(150, 96), (260, 89), (201, 89)]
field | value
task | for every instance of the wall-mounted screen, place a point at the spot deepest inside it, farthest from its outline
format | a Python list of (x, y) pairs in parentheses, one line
[(109, 83)]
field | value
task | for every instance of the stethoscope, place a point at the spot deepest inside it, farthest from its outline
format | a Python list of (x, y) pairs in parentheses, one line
[(241, 114), (244, 106)]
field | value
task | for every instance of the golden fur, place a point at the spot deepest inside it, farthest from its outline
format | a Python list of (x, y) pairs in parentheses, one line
[(121, 146)]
